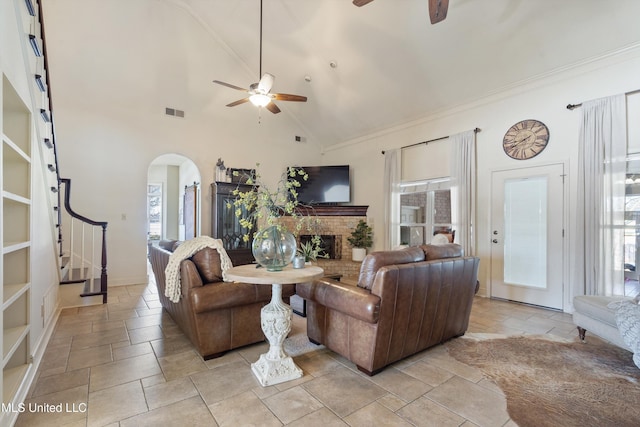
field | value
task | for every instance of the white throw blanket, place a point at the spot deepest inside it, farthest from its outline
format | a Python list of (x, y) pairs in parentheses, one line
[(173, 288)]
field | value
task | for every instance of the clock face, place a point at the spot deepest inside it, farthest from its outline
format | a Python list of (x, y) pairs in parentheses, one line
[(525, 139)]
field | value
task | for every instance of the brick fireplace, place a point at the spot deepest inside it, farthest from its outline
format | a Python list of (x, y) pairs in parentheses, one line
[(335, 224)]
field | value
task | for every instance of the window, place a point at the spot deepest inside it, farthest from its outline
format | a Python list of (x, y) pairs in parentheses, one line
[(425, 210), (632, 227), (632, 199), (154, 211)]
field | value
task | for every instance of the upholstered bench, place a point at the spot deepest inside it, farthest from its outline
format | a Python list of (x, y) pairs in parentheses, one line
[(593, 314)]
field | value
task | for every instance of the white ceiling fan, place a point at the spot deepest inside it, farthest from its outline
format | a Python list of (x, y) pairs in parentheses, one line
[(260, 93)]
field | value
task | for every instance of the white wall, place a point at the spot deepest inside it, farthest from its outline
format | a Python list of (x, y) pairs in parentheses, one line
[(118, 146), (108, 135), (544, 99)]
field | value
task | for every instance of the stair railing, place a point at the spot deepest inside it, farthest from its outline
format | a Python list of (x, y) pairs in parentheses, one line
[(82, 263), (86, 265)]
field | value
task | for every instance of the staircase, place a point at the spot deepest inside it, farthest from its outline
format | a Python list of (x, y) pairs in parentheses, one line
[(82, 244), (86, 256)]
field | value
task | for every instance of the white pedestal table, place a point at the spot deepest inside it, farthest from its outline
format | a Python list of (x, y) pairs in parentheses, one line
[(275, 366)]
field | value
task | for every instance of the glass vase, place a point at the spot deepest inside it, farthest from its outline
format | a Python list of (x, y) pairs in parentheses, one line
[(274, 248)]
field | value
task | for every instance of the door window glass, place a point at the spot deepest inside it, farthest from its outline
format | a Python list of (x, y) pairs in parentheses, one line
[(525, 232), (154, 211)]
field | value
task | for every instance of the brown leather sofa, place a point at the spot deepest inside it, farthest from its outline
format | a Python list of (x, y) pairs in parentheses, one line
[(217, 316), (405, 301)]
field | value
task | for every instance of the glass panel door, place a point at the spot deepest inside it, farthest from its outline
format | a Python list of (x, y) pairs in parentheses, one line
[(525, 231), (527, 235)]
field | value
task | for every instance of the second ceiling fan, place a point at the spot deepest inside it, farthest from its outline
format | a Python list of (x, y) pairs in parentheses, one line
[(437, 9), (260, 93)]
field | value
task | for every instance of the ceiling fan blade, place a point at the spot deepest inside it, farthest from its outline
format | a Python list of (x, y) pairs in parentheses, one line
[(287, 97), (266, 82), (272, 107), (360, 3), (238, 102), (230, 85), (438, 10)]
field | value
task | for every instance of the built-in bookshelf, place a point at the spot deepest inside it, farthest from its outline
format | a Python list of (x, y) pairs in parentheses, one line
[(15, 210)]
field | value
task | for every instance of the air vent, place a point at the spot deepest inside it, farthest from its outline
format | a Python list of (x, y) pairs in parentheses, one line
[(173, 112)]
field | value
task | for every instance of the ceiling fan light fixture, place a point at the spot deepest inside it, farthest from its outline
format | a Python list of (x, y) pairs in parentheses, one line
[(259, 93), (259, 99)]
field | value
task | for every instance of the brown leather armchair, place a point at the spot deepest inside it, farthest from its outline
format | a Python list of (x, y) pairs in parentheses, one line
[(405, 301), (217, 316)]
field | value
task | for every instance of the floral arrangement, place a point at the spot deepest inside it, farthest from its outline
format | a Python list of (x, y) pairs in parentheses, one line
[(261, 207)]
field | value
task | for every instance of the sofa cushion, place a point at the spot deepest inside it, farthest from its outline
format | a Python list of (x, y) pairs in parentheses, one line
[(597, 307), (207, 262), (375, 260), (449, 250)]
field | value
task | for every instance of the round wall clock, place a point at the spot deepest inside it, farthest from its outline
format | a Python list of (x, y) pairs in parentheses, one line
[(525, 139)]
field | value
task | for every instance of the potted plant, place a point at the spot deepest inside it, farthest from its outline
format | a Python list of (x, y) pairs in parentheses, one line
[(311, 249), (361, 239)]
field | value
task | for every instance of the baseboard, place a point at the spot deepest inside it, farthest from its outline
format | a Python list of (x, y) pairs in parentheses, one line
[(126, 281)]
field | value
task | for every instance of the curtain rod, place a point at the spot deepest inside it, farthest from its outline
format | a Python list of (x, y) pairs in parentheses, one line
[(476, 130), (572, 106)]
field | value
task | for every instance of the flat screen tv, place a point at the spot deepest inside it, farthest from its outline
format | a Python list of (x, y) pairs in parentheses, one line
[(326, 185)]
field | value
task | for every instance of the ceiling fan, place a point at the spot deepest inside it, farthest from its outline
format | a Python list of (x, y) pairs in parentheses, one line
[(437, 9), (260, 93)]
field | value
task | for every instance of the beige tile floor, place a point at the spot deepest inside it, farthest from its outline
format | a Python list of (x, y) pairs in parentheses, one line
[(126, 363)]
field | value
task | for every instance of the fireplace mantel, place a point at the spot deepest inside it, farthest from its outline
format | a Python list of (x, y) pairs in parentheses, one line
[(330, 210)]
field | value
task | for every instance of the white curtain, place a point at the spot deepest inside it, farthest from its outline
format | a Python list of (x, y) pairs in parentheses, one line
[(599, 262), (391, 198), (463, 189)]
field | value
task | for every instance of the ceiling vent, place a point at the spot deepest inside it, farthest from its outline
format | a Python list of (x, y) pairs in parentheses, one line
[(174, 112)]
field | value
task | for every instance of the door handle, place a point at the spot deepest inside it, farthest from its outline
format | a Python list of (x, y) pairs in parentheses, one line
[(495, 240)]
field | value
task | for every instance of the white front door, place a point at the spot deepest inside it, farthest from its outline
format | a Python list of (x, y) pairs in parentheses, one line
[(527, 249)]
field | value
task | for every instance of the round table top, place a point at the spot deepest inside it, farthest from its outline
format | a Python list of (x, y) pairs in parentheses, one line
[(260, 276)]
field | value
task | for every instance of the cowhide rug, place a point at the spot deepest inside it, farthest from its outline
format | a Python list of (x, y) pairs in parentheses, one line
[(553, 383)]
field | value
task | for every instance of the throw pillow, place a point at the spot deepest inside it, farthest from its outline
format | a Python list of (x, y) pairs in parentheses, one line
[(628, 321), (448, 250), (167, 244), (207, 262)]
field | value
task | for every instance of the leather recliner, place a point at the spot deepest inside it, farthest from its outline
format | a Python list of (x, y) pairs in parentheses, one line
[(217, 316), (405, 301)]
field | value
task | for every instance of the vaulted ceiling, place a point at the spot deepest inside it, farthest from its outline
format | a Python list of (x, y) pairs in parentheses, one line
[(363, 69)]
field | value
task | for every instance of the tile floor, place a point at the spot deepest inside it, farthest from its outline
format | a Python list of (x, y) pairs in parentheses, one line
[(126, 363)]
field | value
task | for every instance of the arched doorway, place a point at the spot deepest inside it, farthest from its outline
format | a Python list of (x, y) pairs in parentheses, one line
[(173, 179)]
